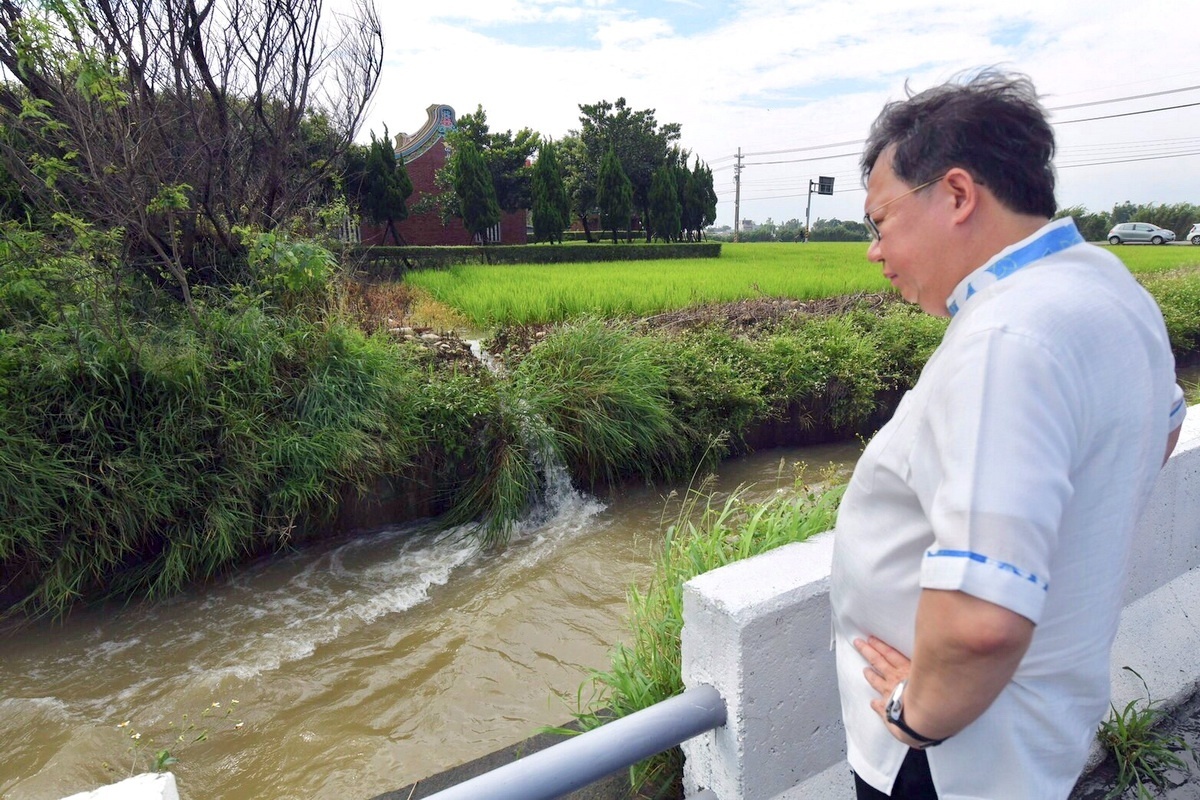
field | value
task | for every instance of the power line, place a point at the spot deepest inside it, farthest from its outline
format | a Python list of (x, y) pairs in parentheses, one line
[(1131, 160), (805, 149), (1123, 99), (799, 160), (1188, 142), (1127, 160), (1056, 108), (1134, 152), (1127, 114)]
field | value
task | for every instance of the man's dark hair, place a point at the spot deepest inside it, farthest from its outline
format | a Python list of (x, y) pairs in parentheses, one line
[(991, 125)]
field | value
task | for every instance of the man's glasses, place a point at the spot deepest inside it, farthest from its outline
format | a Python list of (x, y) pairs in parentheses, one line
[(872, 228)]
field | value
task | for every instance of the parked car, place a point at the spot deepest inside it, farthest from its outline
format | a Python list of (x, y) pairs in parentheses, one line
[(1139, 232), (1194, 233)]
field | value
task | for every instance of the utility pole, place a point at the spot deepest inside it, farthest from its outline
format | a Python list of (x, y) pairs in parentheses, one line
[(823, 185), (737, 197)]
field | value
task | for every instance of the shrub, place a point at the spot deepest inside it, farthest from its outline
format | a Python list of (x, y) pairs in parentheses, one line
[(827, 367), (903, 338), (715, 389)]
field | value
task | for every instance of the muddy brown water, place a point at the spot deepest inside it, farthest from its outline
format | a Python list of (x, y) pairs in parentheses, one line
[(348, 671)]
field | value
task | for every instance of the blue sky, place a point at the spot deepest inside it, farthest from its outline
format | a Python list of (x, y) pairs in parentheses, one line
[(783, 79)]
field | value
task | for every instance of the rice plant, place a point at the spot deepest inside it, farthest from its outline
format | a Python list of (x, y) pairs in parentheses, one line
[(491, 295), (541, 293)]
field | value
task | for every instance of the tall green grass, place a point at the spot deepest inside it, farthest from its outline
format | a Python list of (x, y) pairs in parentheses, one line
[(1177, 292), (708, 533), (616, 403), (601, 390), (134, 464)]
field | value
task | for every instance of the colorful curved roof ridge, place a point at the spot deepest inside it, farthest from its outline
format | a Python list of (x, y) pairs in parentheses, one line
[(441, 119)]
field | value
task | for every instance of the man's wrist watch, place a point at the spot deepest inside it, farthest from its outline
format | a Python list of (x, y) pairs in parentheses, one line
[(895, 715)]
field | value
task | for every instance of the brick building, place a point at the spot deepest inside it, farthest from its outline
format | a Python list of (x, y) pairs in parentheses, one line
[(424, 153)]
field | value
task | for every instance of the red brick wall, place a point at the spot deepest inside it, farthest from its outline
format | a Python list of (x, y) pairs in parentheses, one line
[(427, 229)]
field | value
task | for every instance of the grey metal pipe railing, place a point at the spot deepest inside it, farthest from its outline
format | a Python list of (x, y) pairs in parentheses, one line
[(588, 757)]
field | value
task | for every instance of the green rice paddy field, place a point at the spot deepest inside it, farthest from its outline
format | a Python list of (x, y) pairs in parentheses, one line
[(491, 295)]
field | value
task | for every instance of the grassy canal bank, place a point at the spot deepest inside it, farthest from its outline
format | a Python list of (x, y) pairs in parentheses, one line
[(146, 448)]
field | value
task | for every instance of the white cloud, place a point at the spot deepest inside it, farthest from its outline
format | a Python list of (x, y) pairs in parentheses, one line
[(769, 75)]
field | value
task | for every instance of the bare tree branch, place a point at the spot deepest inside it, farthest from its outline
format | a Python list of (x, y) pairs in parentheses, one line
[(237, 111)]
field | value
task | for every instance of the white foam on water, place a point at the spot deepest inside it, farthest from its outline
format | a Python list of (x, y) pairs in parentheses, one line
[(493, 364), (23, 708), (328, 598)]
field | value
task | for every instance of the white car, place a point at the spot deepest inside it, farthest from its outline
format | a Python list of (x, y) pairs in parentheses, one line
[(1139, 232), (1194, 233)]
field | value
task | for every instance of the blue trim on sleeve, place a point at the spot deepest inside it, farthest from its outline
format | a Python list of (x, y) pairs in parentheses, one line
[(1003, 566)]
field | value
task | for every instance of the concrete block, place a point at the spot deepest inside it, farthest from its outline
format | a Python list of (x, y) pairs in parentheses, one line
[(759, 632), (147, 786), (1167, 539)]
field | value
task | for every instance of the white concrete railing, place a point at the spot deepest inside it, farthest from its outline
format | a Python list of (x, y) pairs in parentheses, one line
[(147, 786), (759, 631)]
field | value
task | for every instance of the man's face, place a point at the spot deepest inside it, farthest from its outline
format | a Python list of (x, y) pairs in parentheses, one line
[(910, 244)]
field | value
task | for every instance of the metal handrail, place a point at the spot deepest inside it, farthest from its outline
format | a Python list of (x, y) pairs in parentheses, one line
[(588, 757)]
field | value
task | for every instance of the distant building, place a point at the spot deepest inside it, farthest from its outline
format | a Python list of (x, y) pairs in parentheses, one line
[(424, 153)]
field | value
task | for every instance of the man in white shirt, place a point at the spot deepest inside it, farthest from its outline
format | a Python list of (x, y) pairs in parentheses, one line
[(981, 545)]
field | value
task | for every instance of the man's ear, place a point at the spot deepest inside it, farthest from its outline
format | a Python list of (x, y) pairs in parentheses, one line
[(964, 191)]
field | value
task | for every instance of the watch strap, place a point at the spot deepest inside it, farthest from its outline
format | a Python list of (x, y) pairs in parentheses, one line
[(925, 741), (895, 715)]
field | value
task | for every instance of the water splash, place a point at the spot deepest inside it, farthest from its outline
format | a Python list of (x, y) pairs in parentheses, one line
[(493, 364)]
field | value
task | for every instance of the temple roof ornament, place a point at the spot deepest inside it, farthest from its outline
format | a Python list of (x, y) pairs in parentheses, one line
[(441, 119)]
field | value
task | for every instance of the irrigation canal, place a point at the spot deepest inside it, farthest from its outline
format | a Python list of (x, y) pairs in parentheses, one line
[(347, 671)]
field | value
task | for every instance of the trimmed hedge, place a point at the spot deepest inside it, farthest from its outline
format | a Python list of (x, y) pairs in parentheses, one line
[(390, 263)]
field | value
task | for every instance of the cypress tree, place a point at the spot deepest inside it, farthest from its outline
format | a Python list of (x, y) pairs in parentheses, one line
[(551, 206), (385, 186), (476, 193), (664, 204), (614, 194)]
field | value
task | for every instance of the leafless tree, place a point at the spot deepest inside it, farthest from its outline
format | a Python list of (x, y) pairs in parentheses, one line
[(180, 121)]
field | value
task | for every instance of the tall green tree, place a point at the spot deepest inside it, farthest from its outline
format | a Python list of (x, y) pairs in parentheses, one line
[(614, 194), (1093, 227), (580, 177), (692, 199), (506, 155), (640, 142), (477, 204), (665, 208), (706, 196), (383, 187), (551, 207)]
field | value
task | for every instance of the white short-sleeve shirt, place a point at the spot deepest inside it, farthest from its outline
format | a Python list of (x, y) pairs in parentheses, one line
[(1014, 471)]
